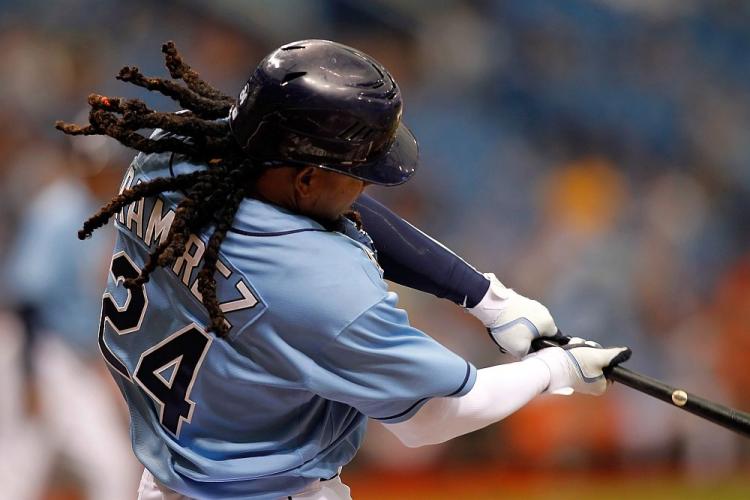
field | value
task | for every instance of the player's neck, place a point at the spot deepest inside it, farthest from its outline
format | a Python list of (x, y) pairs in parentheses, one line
[(276, 186)]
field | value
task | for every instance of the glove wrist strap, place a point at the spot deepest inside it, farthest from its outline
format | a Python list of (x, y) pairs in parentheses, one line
[(493, 302)]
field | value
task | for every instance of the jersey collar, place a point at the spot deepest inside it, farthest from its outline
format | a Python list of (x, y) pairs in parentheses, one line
[(258, 218)]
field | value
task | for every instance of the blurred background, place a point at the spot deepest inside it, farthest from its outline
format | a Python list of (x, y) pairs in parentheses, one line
[(594, 154)]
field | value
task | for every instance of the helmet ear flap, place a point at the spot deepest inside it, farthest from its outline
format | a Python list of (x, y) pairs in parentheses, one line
[(256, 142)]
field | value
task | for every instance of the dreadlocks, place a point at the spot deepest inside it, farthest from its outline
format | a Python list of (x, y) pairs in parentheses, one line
[(212, 196)]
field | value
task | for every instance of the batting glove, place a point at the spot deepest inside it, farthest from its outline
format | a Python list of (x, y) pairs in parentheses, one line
[(512, 320), (579, 366)]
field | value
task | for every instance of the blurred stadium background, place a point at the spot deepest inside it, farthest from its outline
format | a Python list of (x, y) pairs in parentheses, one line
[(591, 153)]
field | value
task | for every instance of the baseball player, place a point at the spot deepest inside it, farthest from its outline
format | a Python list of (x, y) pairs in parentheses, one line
[(246, 319)]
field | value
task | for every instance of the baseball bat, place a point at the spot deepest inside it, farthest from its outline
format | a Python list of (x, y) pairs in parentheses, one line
[(729, 418)]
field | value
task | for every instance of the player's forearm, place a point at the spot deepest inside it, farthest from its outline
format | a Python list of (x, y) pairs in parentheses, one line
[(497, 392), (411, 258)]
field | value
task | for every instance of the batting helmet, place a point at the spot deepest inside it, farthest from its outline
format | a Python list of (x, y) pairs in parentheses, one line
[(316, 102)]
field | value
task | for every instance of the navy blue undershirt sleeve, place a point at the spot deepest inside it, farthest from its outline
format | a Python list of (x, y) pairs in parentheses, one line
[(411, 258)]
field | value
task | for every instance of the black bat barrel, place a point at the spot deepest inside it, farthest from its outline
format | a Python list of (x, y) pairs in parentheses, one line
[(730, 418)]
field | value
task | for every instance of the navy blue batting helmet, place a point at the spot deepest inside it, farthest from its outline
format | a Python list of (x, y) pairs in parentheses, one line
[(317, 102)]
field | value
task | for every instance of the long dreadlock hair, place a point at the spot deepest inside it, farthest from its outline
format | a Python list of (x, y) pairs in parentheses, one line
[(212, 196)]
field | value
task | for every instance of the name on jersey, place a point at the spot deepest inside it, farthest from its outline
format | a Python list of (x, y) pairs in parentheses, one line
[(151, 226)]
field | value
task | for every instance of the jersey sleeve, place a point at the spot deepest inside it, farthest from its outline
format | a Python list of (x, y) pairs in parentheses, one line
[(414, 259), (387, 369)]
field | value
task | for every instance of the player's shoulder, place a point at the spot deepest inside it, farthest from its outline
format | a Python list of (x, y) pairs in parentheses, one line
[(304, 272), (147, 166), (335, 265)]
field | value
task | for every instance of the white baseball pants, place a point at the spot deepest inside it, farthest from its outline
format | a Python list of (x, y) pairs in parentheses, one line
[(331, 489)]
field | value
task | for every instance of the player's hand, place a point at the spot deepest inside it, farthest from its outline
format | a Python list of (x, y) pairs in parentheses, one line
[(512, 320), (579, 366)]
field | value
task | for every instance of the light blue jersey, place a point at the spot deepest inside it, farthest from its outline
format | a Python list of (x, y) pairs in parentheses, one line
[(316, 346)]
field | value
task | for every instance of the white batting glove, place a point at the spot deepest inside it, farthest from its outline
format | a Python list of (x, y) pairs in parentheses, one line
[(512, 320), (579, 366)]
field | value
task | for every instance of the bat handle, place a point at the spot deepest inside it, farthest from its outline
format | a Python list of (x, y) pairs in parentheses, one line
[(540, 343)]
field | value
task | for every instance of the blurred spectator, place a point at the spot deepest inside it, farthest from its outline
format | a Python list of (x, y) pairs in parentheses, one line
[(55, 283)]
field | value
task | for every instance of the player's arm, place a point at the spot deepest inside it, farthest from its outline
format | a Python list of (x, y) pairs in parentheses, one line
[(423, 392), (501, 390), (412, 258)]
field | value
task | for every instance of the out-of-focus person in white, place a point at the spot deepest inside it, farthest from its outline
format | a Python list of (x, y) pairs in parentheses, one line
[(54, 283)]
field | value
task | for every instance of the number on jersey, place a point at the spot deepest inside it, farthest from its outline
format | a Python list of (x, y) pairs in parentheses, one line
[(166, 371)]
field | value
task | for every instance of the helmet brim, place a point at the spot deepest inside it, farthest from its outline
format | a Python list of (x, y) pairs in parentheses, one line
[(395, 167)]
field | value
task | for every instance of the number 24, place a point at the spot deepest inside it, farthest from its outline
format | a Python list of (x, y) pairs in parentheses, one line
[(183, 351)]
